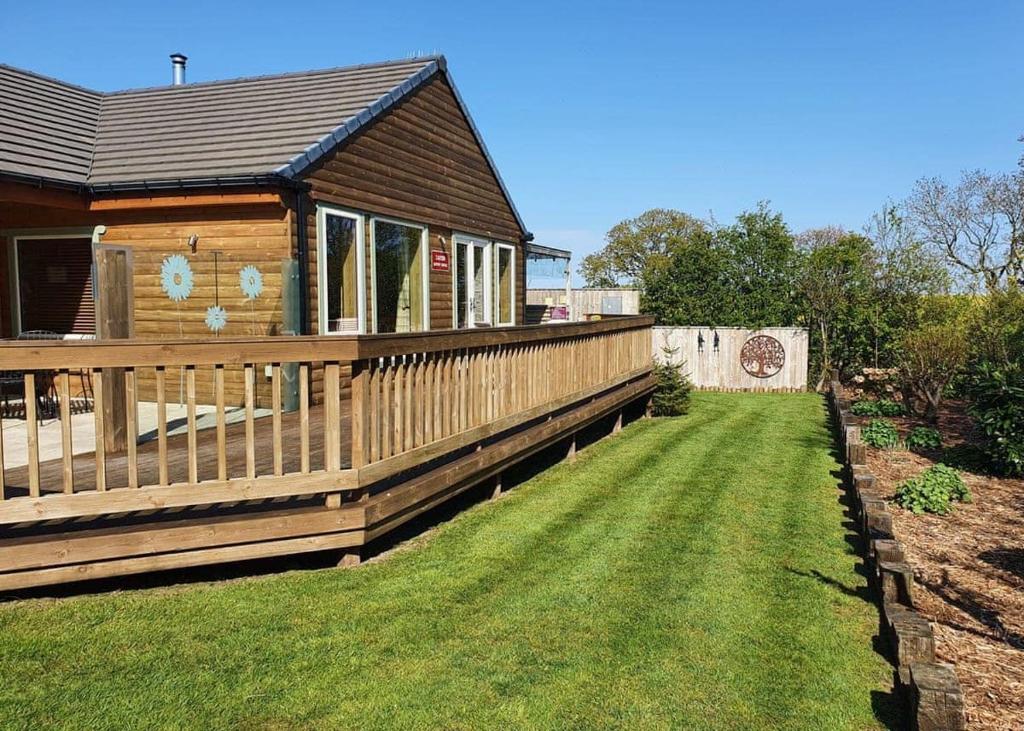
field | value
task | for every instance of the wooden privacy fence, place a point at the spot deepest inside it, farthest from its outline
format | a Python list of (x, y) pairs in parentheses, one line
[(414, 398), (737, 359)]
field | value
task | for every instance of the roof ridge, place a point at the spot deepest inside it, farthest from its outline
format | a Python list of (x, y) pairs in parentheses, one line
[(284, 75), (53, 79)]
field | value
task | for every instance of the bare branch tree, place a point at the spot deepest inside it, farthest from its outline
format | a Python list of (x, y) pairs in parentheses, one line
[(977, 224)]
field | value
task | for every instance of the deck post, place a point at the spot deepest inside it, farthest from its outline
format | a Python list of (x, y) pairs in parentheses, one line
[(351, 557), (497, 486), (618, 422), (571, 453)]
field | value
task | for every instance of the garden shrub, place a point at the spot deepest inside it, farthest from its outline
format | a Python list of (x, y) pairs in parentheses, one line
[(924, 438), (880, 433), (997, 405), (967, 458), (933, 491), (672, 394)]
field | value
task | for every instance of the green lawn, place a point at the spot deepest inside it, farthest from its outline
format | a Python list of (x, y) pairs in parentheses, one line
[(689, 573)]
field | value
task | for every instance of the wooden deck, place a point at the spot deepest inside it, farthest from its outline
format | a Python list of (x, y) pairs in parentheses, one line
[(51, 472), (388, 427)]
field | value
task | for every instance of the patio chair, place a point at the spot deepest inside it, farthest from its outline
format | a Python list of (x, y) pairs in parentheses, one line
[(46, 393)]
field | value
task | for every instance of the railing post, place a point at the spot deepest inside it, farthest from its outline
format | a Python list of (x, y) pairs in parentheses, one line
[(360, 413)]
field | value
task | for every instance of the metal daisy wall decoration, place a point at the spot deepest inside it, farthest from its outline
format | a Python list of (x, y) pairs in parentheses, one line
[(216, 318), (176, 280), (250, 280)]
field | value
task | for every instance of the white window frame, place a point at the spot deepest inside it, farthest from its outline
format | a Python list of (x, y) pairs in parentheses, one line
[(498, 246), (425, 265), (322, 211), (484, 245)]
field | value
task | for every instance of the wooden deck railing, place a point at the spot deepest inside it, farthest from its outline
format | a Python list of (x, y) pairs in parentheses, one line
[(414, 398)]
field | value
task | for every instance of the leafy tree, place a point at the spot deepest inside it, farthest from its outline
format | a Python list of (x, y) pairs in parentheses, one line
[(835, 282), (761, 268), (692, 288), (933, 354), (639, 247)]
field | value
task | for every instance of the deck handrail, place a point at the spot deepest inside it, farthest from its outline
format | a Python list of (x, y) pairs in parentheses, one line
[(18, 355)]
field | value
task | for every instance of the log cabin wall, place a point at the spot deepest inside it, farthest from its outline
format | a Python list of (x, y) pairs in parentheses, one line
[(254, 235), (421, 163)]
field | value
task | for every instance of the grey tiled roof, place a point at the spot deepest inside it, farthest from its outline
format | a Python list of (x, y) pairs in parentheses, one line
[(47, 127), (222, 129)]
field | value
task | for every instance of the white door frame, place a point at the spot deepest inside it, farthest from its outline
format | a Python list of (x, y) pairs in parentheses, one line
[(475, 246)]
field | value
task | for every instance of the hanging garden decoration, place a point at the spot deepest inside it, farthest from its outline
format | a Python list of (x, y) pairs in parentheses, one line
[(251, 281), (216, 318), (176, 277)]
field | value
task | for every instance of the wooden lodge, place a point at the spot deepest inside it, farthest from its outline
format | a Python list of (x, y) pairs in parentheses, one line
[(327, 264)]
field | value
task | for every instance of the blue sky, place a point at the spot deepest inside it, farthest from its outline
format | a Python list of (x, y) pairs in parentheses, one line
[(596, 111)]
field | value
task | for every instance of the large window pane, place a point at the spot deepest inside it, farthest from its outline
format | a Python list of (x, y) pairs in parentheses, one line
[(340, 268), (398, 277), (505, 272)]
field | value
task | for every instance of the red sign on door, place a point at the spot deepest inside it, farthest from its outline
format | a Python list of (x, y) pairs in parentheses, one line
[(439, 261)]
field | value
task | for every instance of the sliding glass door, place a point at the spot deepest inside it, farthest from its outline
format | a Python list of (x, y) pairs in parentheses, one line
[(399, 276), (472, 282)]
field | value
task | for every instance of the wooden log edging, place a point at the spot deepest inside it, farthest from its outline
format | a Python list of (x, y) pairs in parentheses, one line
[(930, 689)]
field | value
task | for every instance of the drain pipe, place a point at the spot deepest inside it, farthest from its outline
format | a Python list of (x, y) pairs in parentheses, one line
[(303, 254)]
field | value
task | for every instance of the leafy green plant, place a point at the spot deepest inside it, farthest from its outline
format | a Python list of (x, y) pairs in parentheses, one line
[(997, 396), (865, 408), (672, 394), (924, 438), (880, 433), (890, 408), (881, 407), (933, 491)]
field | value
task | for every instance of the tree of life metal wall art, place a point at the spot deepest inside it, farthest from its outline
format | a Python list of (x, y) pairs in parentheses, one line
[(762, 356)]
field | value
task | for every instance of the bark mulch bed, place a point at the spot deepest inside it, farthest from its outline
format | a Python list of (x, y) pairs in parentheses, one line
[(969, 567)]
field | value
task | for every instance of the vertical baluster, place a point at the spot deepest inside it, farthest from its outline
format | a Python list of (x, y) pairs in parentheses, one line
[(101, 427), (398, 421), (32, 434), (131, 400), (359, 420), (386, 412), (304, 418), (190, 410), (428, 398), (250, 421), (408, 407), (66, 443), (3, 482), (161, 423), (414, 401), (374, 404), (275, 398), (332, 416), (222, 427), (448, 415)]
